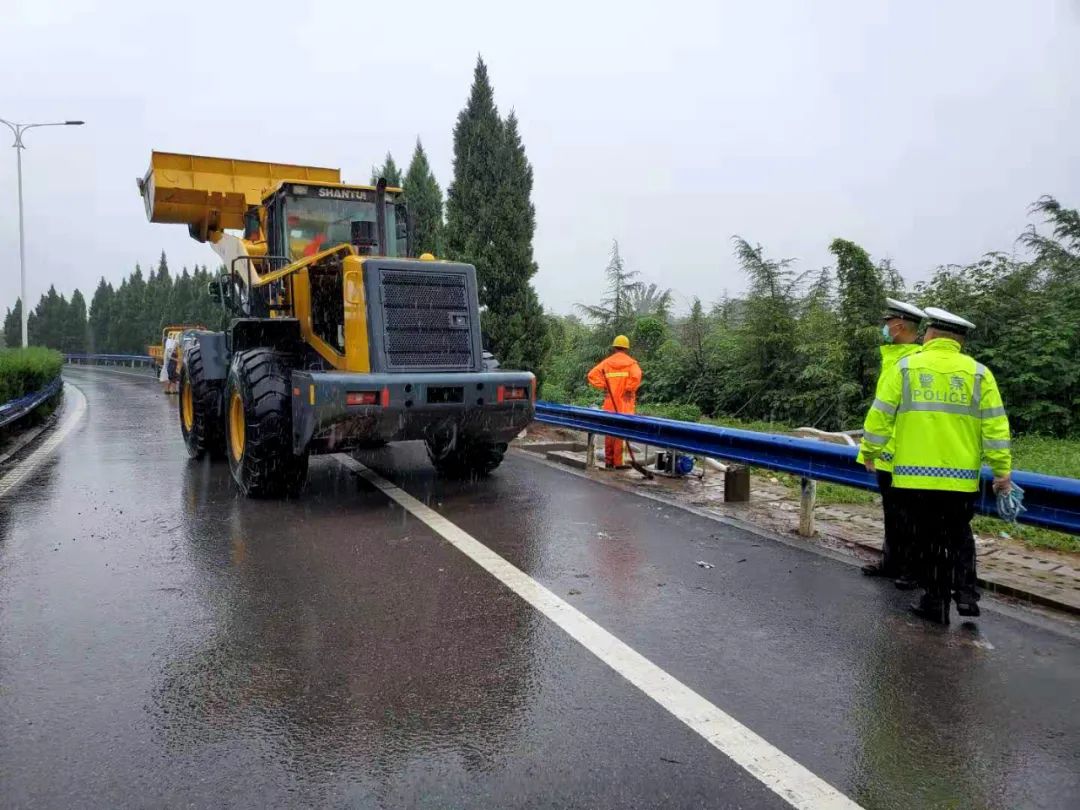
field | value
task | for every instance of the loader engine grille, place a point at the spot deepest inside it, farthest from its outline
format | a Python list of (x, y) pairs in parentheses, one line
[(426, 320)]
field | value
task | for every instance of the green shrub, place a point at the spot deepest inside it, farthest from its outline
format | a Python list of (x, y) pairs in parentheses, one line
[(684, 412), (23, 371)]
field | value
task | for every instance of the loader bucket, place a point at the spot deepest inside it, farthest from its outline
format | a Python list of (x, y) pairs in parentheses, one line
[(211, 194)]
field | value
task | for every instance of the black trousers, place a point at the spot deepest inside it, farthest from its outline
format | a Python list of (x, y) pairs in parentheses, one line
[(942, 543), (896, 559)]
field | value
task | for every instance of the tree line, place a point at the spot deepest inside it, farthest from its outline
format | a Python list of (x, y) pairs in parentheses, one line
[(120, 320), (802, 347)]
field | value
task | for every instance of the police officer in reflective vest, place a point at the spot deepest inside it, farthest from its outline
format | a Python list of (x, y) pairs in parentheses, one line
[(946, 415), (900, 331)]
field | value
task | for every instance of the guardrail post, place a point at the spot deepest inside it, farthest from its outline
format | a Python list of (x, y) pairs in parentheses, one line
[(808, 487), (737, 484), (590, 452)]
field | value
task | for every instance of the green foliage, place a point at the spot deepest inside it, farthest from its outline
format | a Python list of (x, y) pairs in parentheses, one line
[(828, 493), (861, 296), (75, 329), (615, 311), (1032, 536), (766, 349), (101, 316), (124, 320), (23, 371), (389, 170), (490, 222), (1047, 455), (682, 411), (13, 325), (1028, 329), (425, 204), (650, 300), (803, 350), (47, 324)]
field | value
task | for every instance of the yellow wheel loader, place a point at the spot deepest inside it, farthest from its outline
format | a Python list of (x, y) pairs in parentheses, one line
[(339, 338)]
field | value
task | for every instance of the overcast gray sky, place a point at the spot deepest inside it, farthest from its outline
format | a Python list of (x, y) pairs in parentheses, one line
[(921, 130)]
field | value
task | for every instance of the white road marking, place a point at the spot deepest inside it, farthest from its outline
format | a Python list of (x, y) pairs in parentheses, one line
[(70, 420), (776, 770)]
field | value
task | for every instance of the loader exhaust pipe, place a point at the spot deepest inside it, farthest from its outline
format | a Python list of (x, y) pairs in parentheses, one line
[(380, 216)]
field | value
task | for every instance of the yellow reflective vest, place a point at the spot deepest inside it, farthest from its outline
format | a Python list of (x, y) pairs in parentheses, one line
[(945, 413), (891, 353)]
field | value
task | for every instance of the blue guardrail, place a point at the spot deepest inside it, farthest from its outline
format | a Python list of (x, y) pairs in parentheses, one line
[(1052, 502), (16, 409), (122, 359)]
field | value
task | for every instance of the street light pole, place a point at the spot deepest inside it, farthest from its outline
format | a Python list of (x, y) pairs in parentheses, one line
[(18, 130)]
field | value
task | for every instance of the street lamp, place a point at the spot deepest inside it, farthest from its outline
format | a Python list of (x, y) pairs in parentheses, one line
[(18, 130)]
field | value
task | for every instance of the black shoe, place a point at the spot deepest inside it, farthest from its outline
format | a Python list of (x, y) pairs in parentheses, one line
[(935, 610), (966, 606), (903, 583)]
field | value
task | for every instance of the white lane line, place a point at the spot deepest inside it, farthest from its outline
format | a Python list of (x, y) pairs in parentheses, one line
[(78, 408), (775, 769)]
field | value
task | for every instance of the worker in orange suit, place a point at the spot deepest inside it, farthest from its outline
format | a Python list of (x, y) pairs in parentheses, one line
[(619, 377)]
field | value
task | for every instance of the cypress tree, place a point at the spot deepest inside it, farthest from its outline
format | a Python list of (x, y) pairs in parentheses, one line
[(389, 170), (136, 330), (478, 137), (13, 326), (181, 307), (100, 312), (158, 292), (519, 330), (425, 203), (490, 224), (75, 326), (49, 320), (117, 327)]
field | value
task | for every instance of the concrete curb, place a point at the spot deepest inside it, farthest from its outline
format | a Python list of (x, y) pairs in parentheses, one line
[(26, 438)]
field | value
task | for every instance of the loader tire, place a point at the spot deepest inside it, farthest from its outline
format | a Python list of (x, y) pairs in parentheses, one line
[(200, 408), (258, 426), (467, 459)]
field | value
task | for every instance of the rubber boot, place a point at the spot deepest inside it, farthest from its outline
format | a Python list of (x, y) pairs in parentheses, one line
[(932, 609), (967, 604)]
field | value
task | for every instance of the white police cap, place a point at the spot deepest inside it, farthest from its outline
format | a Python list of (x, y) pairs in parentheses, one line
[(944, 319), (901, 309)]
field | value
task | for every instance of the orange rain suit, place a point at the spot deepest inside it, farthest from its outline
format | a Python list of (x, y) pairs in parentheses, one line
[(621, 373)]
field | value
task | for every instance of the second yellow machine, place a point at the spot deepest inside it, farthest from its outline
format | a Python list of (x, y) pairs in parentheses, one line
[(339, 338)]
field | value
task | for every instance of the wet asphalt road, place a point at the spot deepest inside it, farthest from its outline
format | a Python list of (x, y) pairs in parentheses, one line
[(166, 643)]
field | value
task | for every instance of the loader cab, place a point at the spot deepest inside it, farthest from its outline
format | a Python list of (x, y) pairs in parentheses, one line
[(305, 218)]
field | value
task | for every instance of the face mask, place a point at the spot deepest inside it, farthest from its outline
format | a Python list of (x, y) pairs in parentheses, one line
[(885, 333)]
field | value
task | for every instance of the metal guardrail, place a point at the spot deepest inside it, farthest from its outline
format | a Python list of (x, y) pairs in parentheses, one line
[(110, 359), (1052, 502), (16, 409)]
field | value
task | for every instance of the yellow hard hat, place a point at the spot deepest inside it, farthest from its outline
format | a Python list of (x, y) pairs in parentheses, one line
[(620, 342)]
